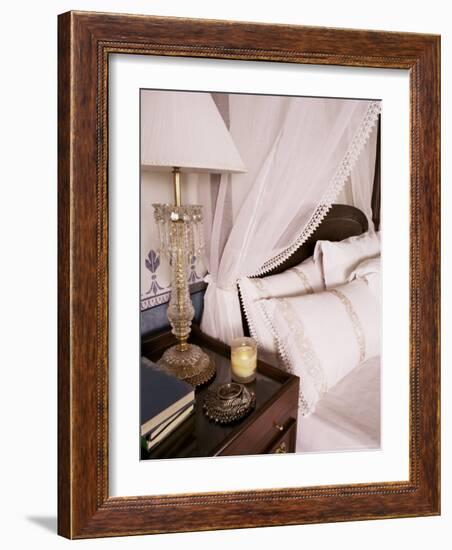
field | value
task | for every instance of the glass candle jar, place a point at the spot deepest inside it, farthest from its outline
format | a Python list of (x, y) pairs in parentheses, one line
[(243, 359)]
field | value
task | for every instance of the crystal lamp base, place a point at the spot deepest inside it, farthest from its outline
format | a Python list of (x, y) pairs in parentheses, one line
[(189, 363)]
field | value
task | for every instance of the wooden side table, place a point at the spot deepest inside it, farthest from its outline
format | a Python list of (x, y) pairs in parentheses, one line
[(270, 428)]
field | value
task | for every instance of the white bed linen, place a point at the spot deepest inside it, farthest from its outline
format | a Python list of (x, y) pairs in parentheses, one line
[(305, 278), (347, 418), (322, 337), (339, 259)]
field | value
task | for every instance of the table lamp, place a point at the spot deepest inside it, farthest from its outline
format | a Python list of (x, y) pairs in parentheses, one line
[(184, 132)]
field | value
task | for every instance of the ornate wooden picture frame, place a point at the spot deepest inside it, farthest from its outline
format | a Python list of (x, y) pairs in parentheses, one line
[(86, 40)]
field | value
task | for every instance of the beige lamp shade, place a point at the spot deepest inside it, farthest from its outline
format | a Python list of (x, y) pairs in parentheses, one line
[(185, 130)]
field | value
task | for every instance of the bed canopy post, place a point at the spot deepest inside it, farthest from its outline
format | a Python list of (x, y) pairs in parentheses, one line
[(376, 191)]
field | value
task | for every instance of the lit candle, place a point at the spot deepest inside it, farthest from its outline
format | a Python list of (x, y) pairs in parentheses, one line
[(243, 359)]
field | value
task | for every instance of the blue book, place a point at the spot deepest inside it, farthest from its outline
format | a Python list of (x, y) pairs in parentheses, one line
[(163, 430), (162, 396)]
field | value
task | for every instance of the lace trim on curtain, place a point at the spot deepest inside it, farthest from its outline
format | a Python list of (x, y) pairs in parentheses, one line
[(248, 317), (357, 144)]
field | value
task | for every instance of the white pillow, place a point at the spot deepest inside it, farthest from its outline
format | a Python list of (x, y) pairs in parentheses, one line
[(339, 259), (304, 278), (369, 271), (322, 337)]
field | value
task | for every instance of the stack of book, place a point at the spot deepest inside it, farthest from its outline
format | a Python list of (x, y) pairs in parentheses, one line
[(165, 403)]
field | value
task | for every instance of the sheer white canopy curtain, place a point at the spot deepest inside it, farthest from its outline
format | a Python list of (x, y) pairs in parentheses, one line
[(298, 153), (358, 188)]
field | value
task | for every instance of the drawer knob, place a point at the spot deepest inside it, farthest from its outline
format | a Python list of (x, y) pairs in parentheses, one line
[(279, 427), (282, 449)]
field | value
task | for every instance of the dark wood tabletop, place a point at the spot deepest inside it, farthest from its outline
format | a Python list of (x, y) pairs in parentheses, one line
[(274, 415)]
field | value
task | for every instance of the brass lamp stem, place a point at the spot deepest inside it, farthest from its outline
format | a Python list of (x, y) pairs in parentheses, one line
[(177, 189)]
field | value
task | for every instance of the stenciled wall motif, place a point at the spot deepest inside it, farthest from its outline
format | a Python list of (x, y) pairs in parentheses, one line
[(157, 294), (152, 262), (156, 187)]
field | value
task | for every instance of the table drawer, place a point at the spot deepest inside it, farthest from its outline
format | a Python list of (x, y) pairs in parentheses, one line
[(285, 443), (266, 427)]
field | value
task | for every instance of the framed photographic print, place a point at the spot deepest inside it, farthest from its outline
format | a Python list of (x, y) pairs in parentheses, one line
[(248, 275)]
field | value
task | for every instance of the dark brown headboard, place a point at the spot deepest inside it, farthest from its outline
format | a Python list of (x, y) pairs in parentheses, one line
[(341, 222)]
